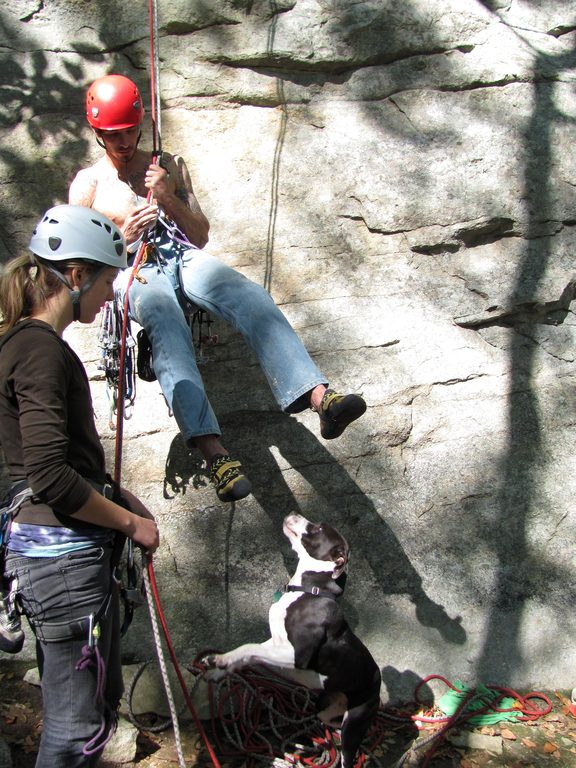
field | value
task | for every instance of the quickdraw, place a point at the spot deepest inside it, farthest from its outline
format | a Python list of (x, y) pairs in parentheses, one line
[(109, 337)]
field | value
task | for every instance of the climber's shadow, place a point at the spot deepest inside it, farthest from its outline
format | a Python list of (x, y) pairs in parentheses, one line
[(184, 467), (336, 498)]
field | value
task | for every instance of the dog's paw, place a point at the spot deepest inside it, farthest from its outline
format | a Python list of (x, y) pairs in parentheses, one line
[(218, 666), (214, 675)]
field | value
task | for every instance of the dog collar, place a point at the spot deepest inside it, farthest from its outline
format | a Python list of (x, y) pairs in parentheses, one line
[(316, 591)]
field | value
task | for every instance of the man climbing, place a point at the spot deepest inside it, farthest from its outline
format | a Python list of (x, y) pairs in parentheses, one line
[(118, 185)]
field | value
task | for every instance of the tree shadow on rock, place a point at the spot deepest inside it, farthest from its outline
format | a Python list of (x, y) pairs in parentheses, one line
[(332, 496)]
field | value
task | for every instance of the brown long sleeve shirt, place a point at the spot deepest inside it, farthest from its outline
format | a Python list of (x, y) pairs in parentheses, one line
[(47, 428)]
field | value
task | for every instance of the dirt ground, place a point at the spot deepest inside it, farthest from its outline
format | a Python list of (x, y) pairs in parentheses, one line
[(549, 740)]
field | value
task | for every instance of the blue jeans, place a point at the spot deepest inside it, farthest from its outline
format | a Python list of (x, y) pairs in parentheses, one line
[(211, 285), (55, 591)]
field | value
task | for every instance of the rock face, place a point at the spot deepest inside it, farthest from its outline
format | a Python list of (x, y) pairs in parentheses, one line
[(401, 177)]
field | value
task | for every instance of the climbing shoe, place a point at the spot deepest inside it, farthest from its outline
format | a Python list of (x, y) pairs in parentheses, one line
[(337, 411), (226, 476), (11, 633)]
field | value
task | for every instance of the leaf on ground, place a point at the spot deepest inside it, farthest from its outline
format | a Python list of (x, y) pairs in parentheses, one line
[(552, 718), (564, 699), (529, 743), (550, 747), (506, 733), (9, 719)]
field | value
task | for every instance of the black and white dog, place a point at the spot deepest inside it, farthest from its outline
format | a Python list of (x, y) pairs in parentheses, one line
[(309, 632)]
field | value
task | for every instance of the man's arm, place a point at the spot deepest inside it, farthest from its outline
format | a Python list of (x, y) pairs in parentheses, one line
[(82, 189), (172, 190), (132, 220)]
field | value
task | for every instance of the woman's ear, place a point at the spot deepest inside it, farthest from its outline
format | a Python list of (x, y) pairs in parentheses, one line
[(77, 277)]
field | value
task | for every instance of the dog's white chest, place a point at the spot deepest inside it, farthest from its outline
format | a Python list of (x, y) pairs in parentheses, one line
[(277, 619)]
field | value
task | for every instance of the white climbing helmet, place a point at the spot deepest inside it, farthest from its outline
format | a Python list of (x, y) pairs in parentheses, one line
[(68, 232)]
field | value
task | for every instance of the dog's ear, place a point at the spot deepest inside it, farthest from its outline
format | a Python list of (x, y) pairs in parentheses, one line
[(340, 557)]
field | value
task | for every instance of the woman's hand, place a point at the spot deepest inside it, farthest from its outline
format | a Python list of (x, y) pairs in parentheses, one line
[(133, 519), (146, 535)]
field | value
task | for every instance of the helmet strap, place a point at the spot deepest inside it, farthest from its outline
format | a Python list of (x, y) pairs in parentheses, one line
[(75, 296), (75, 293)]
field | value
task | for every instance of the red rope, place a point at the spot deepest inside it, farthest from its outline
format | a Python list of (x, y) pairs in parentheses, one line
[(154, 98), (189, 703), (122, 365), (154, 78), (523, 704)]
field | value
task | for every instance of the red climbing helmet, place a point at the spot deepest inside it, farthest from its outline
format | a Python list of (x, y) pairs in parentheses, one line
[(113, 103)]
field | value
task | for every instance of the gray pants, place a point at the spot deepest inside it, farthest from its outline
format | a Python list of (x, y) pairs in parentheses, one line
[(56, 593)]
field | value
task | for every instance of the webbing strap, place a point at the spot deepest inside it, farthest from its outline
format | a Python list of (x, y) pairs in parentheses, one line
[(18, 495)]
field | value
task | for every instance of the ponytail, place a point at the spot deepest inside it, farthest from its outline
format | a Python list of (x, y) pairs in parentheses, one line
[(26, 286)]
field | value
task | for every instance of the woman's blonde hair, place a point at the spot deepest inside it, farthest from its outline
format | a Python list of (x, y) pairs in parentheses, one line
[(27, 285)]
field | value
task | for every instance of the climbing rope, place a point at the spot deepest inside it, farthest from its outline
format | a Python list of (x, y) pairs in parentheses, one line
[(125, 362), (155, 78), (259, 714), (163, 669), (472, 704), (154, 592)]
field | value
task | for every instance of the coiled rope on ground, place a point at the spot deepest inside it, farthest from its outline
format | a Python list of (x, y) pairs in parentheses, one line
[(258, 715)]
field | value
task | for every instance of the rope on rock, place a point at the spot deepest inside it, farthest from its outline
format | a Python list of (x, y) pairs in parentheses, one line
[(261, 714), (125, 360), (163, 669)]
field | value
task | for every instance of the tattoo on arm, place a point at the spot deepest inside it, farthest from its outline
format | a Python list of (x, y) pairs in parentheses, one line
[(182, 194)]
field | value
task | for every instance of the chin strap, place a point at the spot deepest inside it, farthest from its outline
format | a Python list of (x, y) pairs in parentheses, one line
[(75, 293), (75, 296)]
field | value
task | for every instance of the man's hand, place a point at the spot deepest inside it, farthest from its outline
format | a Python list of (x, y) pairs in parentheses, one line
[(138, 221), (157, 180)]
